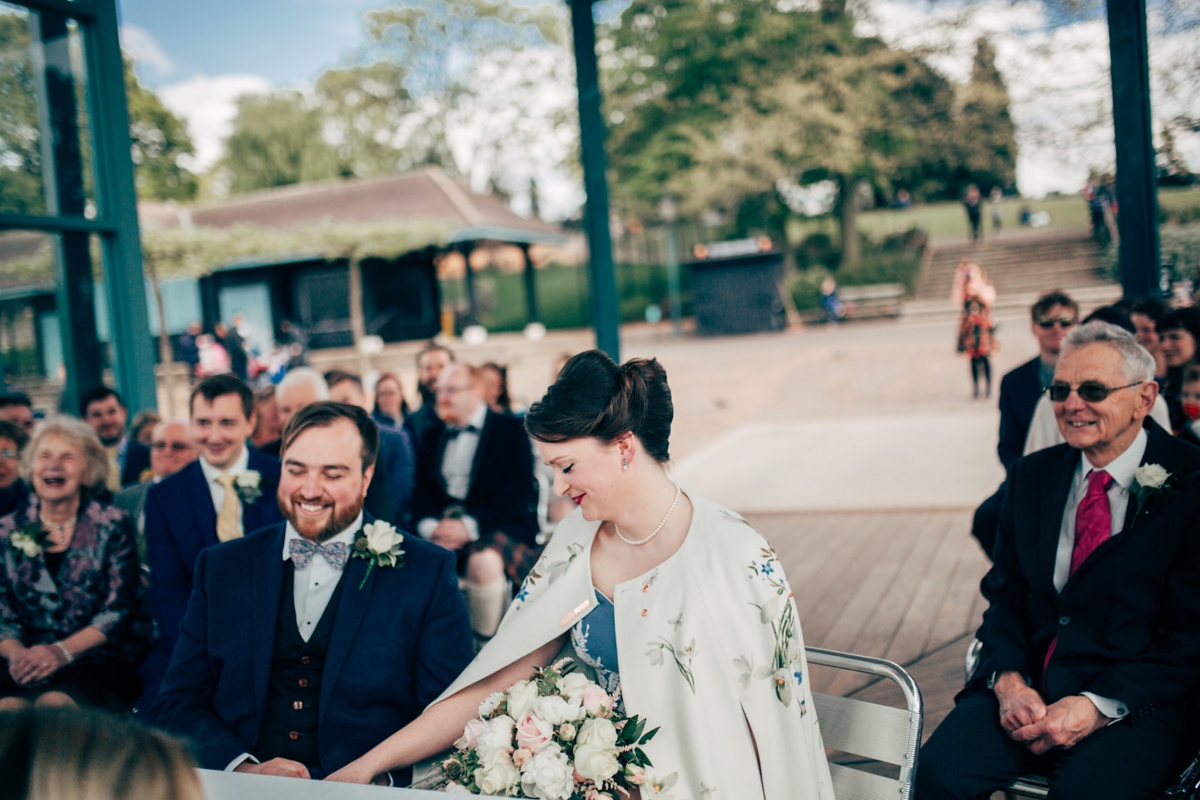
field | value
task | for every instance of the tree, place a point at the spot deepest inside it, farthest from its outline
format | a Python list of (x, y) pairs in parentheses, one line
[(20, 158), (161, 145), (277, 140), (986, 133)]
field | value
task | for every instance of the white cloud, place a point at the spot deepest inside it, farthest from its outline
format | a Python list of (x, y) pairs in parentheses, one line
[(145, 50), (208, 104)]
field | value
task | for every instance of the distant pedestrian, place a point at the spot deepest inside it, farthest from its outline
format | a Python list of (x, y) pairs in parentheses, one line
[(235, 347), (995, 200), (974, 202), (189, 348), (976, 332), (834, 310)]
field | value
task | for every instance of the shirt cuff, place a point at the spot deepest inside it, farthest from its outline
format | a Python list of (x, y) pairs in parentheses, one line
[(472, 527), (237, 762), (426, 527), (1115, 710)]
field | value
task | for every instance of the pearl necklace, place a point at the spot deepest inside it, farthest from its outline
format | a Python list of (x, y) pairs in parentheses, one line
[(54, 527), (656, 530)]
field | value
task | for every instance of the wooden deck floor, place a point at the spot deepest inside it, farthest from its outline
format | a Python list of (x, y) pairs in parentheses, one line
[(897, 585)]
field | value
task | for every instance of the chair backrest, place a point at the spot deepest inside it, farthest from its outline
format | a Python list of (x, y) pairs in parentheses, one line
[(870, 730)]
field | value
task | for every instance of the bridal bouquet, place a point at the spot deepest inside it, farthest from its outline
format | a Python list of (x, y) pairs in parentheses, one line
[(555, 737)]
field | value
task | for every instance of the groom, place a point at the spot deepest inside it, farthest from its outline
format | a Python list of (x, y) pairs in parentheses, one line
[(295, 658)]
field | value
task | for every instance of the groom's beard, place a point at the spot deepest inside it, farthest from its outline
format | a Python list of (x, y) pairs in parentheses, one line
[(312, 530)]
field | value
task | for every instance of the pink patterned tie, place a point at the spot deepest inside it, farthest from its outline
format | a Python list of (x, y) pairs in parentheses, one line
[(1093, 526)]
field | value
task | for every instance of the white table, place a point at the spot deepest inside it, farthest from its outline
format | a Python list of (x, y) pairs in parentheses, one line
[(241, 786)]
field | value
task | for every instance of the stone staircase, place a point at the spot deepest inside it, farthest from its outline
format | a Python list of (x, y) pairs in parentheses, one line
[(1023, 265)]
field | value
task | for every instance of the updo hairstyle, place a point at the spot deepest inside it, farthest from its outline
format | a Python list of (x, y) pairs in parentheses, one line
[(593, 397)]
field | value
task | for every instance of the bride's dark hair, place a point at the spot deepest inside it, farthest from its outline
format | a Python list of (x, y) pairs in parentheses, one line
[(593, 397)]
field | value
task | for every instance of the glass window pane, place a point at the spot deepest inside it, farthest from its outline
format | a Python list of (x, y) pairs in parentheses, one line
[(21, 189), (29, 342)]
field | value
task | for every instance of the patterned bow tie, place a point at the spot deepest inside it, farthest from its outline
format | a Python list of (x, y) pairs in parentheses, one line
[(303, 551)]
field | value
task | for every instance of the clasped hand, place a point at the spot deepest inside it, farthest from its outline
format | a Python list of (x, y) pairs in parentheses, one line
[(451, 534), (1043, 727), (32, 665)]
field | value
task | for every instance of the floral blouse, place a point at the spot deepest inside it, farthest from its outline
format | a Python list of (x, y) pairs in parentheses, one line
[(97, 585)]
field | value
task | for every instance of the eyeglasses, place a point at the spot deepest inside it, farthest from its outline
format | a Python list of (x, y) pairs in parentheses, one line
[(178, 447), (9, 455), (1089, 391), (1064, 322)]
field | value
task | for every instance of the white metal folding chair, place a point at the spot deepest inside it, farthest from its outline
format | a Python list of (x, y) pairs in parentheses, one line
[(870, 730)]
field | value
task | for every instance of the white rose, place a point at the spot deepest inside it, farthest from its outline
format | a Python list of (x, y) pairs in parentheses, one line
[(381, 537), (596, 763), (455, 788), (249, 480), (556, 710), (499, 778), (548, 775), (496, 741), (1151, 476), (26, 545), (521, 697), (490, 704), (573, 685), (597, 732)]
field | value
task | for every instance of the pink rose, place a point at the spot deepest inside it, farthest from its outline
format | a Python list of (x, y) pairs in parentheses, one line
[(595, 700), (471, 734), (533, 733), (521, 755)]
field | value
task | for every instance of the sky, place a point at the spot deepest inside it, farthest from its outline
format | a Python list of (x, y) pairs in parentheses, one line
[(201, 56)]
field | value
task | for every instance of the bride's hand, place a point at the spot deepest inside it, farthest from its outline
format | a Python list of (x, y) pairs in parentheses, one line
[(354, 772)]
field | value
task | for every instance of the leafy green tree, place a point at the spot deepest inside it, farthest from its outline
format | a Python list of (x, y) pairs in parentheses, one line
[(20, 158), (277, 140), (986, 133), (161, 145), (366, 109)]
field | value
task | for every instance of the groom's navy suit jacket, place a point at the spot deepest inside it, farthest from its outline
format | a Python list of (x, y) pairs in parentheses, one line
[(1128, 620), (180, 523), (396, 644)]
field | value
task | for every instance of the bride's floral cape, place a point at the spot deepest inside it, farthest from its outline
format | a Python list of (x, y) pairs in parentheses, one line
[(709, 640)]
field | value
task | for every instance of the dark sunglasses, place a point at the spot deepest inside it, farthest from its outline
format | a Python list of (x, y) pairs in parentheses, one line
[(1064, 322), (1089, 391), (176, 446)]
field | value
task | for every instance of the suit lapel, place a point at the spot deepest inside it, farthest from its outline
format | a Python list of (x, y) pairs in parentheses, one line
[(350, 612), (202, 506), (485, 435), (266, 586), (439, 459), (1054, 504), (252, 517)]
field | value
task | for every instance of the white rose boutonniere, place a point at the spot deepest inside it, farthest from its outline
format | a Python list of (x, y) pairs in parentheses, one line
[(379, 543), (29, 540), (1151, 480), (249, 486)]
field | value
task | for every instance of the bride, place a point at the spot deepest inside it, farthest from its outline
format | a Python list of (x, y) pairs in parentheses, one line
[(674, 599)]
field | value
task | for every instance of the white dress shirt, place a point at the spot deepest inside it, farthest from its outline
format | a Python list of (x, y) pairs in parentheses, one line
[(456, 470), (211, 473), (313, 586), (1122, 470)]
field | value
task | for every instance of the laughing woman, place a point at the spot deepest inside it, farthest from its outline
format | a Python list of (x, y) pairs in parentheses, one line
[(68, 581), (676, 600)]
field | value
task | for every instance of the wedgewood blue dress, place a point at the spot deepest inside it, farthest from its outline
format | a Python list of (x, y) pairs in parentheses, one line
[(709, 649), (96, 584)]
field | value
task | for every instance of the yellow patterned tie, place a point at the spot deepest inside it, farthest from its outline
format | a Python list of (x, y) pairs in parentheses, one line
[(229, 518), (113, 481)]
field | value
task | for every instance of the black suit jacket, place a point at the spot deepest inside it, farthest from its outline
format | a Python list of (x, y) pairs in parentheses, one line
[(1019, 393), (502, 496), (1128, 620), (137, 461)]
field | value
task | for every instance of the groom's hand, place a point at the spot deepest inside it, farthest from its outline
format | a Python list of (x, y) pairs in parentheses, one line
[(280, 767)]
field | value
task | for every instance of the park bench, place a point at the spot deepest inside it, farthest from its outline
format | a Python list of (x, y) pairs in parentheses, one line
[(872, 300)]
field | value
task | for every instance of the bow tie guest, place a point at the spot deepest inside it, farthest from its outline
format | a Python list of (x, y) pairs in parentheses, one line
[(68, 581), (301, 649), (1090, 641), (476, 494), (102, 409), (226, 493)]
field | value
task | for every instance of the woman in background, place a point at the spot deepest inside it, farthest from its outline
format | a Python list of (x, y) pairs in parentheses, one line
[(390, 405), (976, 332)]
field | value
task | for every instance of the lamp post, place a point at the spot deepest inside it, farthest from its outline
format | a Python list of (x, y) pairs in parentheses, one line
[(668, 212)]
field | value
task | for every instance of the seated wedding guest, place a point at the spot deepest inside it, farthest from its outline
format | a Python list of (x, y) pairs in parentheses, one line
[(1179, 332), (1190, 404), (641, 564), (17, 408), (14, 493), (102, 409), (391, 408), (395, 466), (267, 427), (299, 652), (431, 361), (1145, 315), (476, 494), (302, 387), (68, 581), (226, 493), (83, 754), (141, 429), (171, 449), (495, 387), (1088, 670), (1043, 428)]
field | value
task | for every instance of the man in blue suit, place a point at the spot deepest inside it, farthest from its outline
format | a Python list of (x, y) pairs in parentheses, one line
[(301, 648), (226, 493)]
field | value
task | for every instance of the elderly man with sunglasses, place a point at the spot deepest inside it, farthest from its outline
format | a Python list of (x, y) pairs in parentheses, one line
[(1091, 641)]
